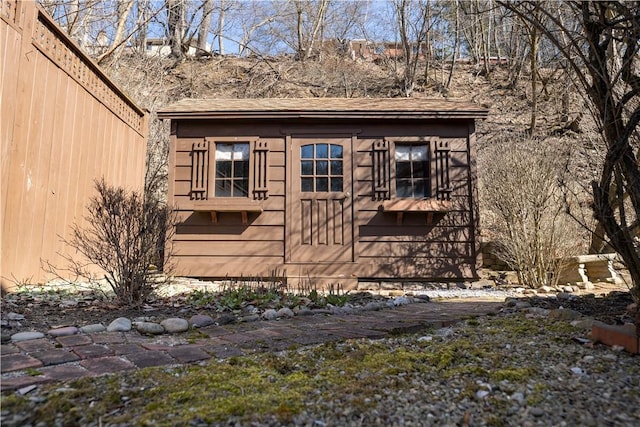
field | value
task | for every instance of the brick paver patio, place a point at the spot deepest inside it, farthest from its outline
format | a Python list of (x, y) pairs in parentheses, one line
[(44, 360)]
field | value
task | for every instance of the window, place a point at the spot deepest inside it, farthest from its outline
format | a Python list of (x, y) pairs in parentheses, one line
[(412, 171), (232, 170), (321, 168)]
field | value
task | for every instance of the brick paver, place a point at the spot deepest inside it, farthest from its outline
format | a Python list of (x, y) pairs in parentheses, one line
[(35, 345), (17, 362), (81, 355), (106, 365), (150, 358), (74, 340), (92, 350), (55, 357), (64, 372), (188, 353)]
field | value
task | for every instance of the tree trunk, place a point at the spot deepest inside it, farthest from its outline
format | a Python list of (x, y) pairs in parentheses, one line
[(175, 23), (205, 26)]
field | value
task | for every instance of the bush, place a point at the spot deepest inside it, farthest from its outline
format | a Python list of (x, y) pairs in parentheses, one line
[(124, 236), (522, 193)]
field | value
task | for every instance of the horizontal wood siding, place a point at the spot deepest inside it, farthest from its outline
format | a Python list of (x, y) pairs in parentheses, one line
[(384, 249), (444, 248), (64, 124), (223, 244)]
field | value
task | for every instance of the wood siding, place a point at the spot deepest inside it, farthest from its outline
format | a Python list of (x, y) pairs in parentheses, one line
[(383, 245), (64, 124)]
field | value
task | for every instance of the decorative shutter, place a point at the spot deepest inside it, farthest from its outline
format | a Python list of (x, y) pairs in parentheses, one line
[(260, 168), (381, 171), (442, 170), (199, 170)]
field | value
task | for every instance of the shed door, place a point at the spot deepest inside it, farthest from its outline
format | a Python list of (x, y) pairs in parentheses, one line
[(320, 200)]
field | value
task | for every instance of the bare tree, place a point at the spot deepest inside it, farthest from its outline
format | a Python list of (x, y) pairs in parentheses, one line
[(604, 55)]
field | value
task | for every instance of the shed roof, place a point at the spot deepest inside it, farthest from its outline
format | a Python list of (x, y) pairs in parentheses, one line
[(412, 108)]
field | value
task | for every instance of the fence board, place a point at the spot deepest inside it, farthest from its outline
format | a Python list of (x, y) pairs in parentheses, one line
[(64, 124)]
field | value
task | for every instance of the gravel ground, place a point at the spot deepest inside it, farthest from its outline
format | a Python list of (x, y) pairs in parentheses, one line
[(518, 368)]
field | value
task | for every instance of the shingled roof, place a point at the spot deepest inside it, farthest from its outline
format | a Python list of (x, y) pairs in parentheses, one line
[(413, 108)]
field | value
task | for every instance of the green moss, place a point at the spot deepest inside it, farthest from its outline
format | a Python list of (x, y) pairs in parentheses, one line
[(515, 375), (32, 372)]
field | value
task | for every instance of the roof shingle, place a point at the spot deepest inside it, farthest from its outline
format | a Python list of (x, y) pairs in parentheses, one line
[(322, 107)]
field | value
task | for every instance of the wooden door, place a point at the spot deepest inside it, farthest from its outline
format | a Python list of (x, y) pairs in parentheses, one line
[(320, 200)]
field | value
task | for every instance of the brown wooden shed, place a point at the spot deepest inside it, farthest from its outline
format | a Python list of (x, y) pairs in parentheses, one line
[(63, 124), (335, 190)]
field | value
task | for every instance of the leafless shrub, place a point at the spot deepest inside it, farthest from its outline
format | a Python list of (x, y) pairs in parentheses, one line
[(124, 236), (521, 190)]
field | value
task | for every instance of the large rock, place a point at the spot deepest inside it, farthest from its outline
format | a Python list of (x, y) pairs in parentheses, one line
[(61, 332), (175, 325), (26, 336), (285, 312), (92, 329), (121, 324), (270, 314), (201, 320), (149, 328)]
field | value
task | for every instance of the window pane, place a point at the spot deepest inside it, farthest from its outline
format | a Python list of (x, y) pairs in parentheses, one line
[(306, 152), (420, 189), (420, 169), (419, 152), (241, 169), (322, 151), (223, 169), (307, 167), (241, 151), (322, 184), (336, 151), (403, 170), (336, 167), (307, 184), (403, 188), (403, 152), (223, 188), (336, 184), (322, 167), (241, 188), (223, 151)]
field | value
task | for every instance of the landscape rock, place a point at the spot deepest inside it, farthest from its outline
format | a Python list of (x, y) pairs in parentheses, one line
[(270, 314), (121, 324), (285, 312), (201, 320), (175, 325), (584, 324), (401, 301), (26, 336), (565, 296), (250, 318), (564, 314), (149, 328), (303, 311), (373, 306), (62, 332), (15, 316), (93, 328), (225, 319), (546, 289)]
